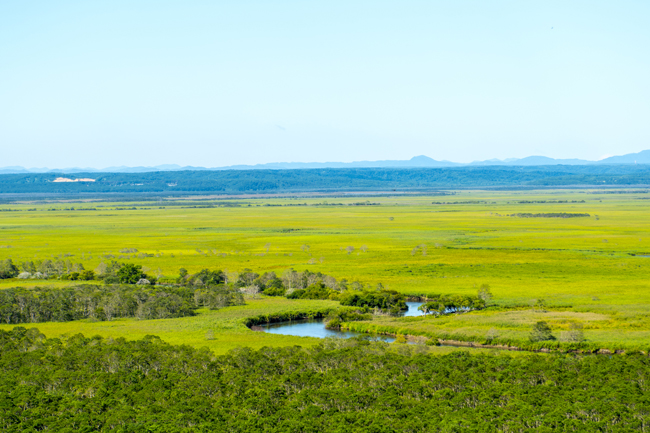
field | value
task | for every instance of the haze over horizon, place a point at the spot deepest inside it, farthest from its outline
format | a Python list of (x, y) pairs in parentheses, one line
[(217, 84)]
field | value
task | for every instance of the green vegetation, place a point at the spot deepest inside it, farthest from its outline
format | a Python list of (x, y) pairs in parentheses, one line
[(590, 272), (200, 274), (551, 215), (98, 384), (386, 300), (45, 304), (326, 179), (447, 304)]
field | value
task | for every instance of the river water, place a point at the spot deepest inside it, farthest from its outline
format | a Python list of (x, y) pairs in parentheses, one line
[(316, 327)]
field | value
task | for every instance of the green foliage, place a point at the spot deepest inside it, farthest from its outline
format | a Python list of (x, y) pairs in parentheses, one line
[(445, 304), (388, 300), (45, 304), (96, 384), (551, 215), (335, 318), (541, 332), (204, 277), (470, 240), (8, 269), (339, 179), (485, 293), (315, 291), (130, 274)]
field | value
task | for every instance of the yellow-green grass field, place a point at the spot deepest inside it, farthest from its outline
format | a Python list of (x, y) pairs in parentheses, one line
[(582, 267)]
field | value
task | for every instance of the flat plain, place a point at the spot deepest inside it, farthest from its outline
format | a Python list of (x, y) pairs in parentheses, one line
[(587, 269)]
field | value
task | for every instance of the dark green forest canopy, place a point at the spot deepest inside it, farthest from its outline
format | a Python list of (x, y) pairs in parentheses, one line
[(332, 179), (95, 384)]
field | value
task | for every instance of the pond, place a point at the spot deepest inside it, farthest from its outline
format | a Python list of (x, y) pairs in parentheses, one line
[(316, 327)]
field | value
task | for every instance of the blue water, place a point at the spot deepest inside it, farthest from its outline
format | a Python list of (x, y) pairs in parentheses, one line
[(316, 327), (413, 309)]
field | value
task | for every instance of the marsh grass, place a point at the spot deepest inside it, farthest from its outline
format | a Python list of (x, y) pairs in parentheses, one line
[(561, 260)]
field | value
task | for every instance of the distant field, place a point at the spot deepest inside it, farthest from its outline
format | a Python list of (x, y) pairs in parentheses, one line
[(581, 265)]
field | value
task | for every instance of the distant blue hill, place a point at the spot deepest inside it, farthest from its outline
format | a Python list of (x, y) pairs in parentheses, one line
[(642, 157)]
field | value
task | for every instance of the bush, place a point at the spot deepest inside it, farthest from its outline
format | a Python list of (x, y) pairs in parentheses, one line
[(541, 332), (383, 299), (315, 291), (8, 269), (274, 291), (130, 274)]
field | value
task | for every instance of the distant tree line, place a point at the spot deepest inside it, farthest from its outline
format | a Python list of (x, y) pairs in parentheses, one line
[(327, 179), (44, 269), (550, 215)]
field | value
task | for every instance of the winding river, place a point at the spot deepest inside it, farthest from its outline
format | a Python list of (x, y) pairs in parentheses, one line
[(316, 327)]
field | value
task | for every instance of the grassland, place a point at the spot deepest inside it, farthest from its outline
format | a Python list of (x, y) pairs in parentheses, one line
[(584, 268)]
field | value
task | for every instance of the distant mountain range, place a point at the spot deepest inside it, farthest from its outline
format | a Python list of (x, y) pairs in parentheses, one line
[(642, 157)]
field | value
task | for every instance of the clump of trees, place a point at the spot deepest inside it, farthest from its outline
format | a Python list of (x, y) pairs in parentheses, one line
[(445, 304), (387, 300), (270, 284), (315, 291), (121, 273), (45, 269), (8, 269), (47, 304)]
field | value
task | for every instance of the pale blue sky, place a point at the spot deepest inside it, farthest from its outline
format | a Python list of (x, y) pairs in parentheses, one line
[(214, 83)]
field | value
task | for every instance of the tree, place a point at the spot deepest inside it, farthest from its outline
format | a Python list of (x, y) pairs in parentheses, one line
[(246, 278), (29, 267), (541, 332), (8, 269), (349, 249), (130, 274), (484, 293), (87, 275)]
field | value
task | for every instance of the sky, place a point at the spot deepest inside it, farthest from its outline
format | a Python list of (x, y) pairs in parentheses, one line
[(216, 83)]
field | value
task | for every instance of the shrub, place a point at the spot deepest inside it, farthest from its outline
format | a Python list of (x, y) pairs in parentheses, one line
[(541, 332)]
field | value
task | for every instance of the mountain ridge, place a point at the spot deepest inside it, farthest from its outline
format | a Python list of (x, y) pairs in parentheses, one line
[(419, 161)]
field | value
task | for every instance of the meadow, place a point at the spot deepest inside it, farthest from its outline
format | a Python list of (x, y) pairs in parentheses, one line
[(587, 269)]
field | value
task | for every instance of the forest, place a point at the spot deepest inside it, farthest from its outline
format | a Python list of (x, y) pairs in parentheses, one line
[(85, 383), (331, 179)]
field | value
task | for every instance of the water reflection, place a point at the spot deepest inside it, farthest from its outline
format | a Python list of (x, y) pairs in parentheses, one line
[(413, 309), (313, 328), (316, 327)]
